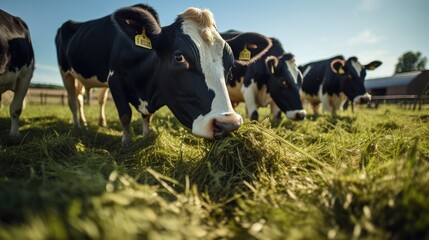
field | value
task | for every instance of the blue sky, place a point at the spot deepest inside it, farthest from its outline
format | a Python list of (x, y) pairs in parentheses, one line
[(310, 29)]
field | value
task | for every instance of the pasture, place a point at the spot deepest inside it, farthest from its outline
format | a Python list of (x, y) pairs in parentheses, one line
[(358, 176)]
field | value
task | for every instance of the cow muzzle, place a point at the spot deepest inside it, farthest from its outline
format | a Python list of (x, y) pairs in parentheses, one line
[(296, 114), (225, 124), (217, 125), (362, 99)]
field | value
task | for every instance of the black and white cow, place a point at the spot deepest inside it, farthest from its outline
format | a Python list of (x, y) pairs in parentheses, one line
[(334, 81), (16, 63), (272, 80), (183, 65)]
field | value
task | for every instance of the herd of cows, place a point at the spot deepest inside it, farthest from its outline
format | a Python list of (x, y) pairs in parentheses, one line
[(199, 73)]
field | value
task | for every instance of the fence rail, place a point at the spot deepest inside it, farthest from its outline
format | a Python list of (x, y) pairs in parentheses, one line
[(57, 96), (406, 101)]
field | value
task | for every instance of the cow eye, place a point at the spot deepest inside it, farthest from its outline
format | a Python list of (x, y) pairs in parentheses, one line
[(285, 83), (179, 58)]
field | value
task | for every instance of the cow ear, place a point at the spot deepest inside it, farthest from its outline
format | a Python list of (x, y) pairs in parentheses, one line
[(337, 66), (139, 24), (271, 63), (249, 47), (373, 65)]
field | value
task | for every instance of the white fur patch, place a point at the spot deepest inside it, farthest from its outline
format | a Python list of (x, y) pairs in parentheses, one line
[(111, 72), (294, 114), (306, 71), (87, 82), (211, 61), (8, 80), (293, 69), (143, 107), (357, 99), (357, 66)]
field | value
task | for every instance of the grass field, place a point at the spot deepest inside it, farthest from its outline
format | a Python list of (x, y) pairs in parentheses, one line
[(357, 176)]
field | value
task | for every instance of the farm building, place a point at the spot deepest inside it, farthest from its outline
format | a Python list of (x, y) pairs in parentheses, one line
[(408, 88), (410, 83)]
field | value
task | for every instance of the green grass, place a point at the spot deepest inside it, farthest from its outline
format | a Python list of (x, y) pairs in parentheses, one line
[(357, 176)]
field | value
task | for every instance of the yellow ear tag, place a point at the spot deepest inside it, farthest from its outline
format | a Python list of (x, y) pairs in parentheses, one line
[(244, 54), (272, 69), (142, 40), (341, 70)]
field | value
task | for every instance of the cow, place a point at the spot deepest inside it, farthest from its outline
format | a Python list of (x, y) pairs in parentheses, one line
[(272, 80), (183, 66), (16, 64), (333, 81)]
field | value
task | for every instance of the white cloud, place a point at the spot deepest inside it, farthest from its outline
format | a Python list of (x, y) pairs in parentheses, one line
[(365, 37)]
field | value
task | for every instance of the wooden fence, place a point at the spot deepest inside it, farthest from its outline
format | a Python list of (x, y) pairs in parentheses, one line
[(57, 96), (406, 101)]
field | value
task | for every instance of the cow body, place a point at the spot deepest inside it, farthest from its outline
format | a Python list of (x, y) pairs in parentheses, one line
[(334, 81), (16, 63), (183, 66), (272, 80)]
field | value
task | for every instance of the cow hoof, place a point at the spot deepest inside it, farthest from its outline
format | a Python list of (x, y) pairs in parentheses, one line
[(254, 116)]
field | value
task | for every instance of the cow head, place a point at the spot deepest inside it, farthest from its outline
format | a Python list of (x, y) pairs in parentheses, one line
[(193, 64), (284, 83), (353, 75)]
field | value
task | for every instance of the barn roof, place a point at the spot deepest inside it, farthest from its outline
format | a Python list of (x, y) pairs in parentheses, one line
[(400, 79)]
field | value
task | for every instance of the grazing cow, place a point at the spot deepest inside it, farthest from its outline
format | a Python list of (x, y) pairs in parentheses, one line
[(272, 80), (334, 81), (16, 63), (183, 65)]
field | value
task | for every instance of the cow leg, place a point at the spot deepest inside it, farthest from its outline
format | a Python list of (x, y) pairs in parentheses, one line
[(15, 108), (127, 137), (315, 107), (80, 92), (70, 86), (146, 121), (250, 101), (123, 108), (102, 99)]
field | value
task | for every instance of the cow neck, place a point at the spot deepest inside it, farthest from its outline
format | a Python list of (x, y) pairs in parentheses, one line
[(152, 88)]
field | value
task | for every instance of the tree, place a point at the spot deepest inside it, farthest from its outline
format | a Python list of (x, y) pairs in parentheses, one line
[(411, 61)]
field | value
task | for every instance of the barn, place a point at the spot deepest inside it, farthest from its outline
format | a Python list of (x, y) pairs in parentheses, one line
[(410, 87), (410, 83)]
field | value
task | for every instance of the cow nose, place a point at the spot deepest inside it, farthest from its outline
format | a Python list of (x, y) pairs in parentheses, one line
[(228, 127), (222, 128), (364, 100), (300, 116)]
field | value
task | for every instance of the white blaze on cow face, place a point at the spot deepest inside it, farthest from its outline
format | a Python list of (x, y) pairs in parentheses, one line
[(293, 69), (210, 47), (357, 67), (360, 98)]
